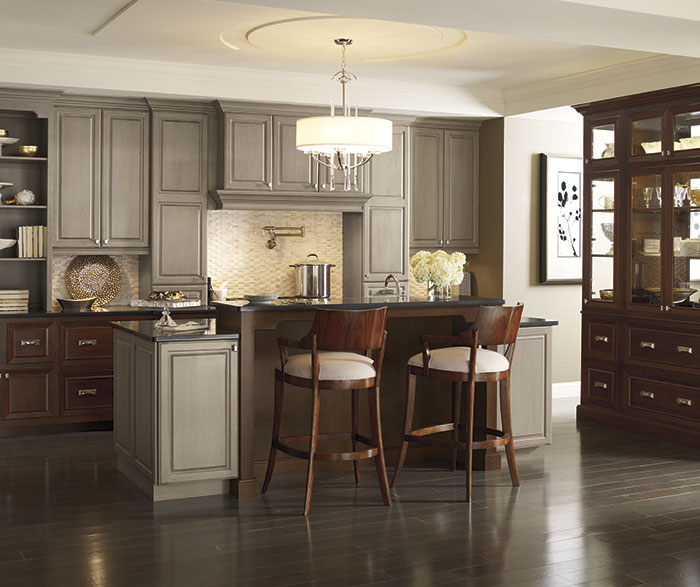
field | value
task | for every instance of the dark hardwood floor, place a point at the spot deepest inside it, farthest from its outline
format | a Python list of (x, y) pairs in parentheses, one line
[(598, 507)]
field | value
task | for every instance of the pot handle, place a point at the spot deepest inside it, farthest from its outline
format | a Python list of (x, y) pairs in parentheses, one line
[(312, 255)]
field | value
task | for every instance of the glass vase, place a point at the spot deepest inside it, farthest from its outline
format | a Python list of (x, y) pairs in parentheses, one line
[(439, 292)]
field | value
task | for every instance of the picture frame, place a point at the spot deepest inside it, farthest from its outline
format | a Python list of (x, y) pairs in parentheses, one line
[(561, 219)]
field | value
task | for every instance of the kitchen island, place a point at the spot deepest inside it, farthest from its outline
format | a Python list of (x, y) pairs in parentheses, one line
[(259, 326)]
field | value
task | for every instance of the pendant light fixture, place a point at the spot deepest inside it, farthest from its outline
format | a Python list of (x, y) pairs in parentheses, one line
[(343, 141)]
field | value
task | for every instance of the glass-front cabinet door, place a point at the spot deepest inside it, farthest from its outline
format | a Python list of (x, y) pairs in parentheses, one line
[(645, 247), (686, 133), (686, 238), (646, 134), (600, 274)]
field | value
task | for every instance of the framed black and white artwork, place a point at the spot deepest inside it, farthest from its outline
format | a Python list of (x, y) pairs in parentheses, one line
[(561, 209)]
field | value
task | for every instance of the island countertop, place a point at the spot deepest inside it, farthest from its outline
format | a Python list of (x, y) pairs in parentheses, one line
[(148, 330)]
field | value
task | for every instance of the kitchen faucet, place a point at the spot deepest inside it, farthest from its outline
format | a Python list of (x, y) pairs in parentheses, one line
[(389, 278)]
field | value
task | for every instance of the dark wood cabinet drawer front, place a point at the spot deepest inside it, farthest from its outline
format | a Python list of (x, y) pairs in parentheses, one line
[(26, 394), (87, 342), (30, 342), (87, 393), (669, 348), (602, 339), (600, 387), (672, 399)]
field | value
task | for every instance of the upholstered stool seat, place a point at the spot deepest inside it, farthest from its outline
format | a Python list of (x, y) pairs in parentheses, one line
[(333, 366), (456, 358)]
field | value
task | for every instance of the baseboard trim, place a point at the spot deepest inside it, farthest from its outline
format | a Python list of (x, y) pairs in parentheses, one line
[(566, 389)]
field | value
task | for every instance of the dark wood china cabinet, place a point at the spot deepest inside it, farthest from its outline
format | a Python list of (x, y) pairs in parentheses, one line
[(640, 366)]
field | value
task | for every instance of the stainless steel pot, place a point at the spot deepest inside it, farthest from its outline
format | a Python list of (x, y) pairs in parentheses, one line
[(313, 278)]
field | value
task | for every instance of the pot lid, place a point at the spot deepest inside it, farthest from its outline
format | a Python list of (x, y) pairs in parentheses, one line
[(311, 259)]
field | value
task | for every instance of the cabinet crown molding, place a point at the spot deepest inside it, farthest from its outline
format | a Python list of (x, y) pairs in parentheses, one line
[(205, 106), (338, 201), (122, 103)]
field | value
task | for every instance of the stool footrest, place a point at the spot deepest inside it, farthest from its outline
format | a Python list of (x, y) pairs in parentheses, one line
[(285, 445), (491, 431), (428, 441), (492, 443), (433, 429)]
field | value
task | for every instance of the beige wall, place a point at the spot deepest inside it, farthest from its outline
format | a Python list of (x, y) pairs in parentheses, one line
[(524, 139)]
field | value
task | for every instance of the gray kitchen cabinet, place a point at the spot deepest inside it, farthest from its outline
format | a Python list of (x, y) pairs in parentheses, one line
[(178, 253), (101, 179), (388, 172), (247, 152), (293, 170), (445, 196)]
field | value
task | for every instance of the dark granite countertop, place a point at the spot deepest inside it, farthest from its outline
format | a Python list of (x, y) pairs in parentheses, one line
[(106, 311), (530, 322), (147, 330)]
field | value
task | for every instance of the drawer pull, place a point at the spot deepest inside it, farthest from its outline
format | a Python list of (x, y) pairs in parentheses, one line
[(645, 344), (600, 338), (86, 392), (87, 342), (684, 349), (600, 385), (684, 401), (30, 342), (647, 394)]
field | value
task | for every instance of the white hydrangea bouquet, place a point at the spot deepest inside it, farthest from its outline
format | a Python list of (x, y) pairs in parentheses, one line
[(441, 270)]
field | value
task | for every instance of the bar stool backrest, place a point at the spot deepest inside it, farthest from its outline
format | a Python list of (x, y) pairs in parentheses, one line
[(348, 330), (496, 325)]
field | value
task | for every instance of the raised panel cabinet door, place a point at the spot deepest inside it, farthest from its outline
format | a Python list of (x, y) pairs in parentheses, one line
[(76, 212), (143, 405), (386, 245), (27, 394), (123, 393), (198, 401), (125, 159), (180, 153), (388, 171), (461, 190), (293, 171), (427, 187), (247, 151), (179, 250)]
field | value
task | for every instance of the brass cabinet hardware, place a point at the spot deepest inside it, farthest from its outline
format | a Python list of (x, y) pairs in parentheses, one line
[(87, 342), (30, 342), (600, 338), (600, 385), (684, 349), (645, 344), (683, 401), (647, 394), (87, 392)]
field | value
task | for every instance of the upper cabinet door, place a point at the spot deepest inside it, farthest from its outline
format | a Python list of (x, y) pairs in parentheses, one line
[(293, 170), (461, 207), (427, 158), (180, 153), (247, 158), (386, 246), (76, 216), (388, 171), (125, 179)]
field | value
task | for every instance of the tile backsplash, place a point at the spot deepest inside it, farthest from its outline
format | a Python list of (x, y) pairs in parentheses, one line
[(129, 265), (237, 250)]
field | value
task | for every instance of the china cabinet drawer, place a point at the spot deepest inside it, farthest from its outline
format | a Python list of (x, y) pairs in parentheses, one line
[(670, 348), (87, 342), (601, 339), (600, 387), (87, 393), (671, 399), (30, 342)]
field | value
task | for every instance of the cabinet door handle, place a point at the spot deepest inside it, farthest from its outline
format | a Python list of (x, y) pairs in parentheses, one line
[(105, 241), (645, 344), (234, 347), (87, 342), (647, 394), (600, 385), (684, 349), (30, 342), (87, 392), (269, 184), (684, 401), (600, 338)]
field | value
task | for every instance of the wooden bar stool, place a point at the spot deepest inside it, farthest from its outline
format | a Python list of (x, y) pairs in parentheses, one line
[(344, 351), (494, 325)]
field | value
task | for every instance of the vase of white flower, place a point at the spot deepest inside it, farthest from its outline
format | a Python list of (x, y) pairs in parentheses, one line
[(440, 270)]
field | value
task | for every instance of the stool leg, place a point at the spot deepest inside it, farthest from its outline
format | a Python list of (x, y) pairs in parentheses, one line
[(469, 434), (313, 445), (408, 423), (355, 463), (456, 407), (376, 425), (276, 421), (508, 429)]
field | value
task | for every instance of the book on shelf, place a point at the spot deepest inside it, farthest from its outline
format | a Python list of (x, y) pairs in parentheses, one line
[(14, 300), (31, 242)]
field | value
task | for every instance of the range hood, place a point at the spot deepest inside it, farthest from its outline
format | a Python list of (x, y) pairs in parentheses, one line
[(337, 201)]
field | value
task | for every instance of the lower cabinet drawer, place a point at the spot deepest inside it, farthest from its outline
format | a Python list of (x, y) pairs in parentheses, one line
[(87, 393), (30, 342), (601, 339), (662, 397), (87, 342), (599, 386), (666, 347)]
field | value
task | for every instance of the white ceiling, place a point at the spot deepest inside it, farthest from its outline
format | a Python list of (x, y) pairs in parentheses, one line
[(519, 55)]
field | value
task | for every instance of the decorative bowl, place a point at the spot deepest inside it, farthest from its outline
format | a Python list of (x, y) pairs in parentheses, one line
[(79, 305), (607, 294), (28, 150), (680, 294), (652, 147), (6, 243), (690, 143)]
